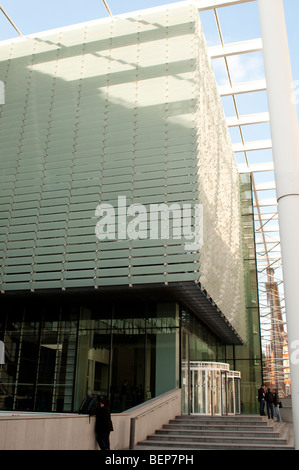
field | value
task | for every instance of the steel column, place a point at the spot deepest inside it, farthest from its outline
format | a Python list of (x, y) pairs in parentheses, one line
[(285, 139)]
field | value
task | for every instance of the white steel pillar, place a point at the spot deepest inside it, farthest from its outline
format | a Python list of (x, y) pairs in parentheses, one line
[(285, 138)]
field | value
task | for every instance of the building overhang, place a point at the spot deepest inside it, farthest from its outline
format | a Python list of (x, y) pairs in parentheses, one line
[(196, 299), (189, 293)]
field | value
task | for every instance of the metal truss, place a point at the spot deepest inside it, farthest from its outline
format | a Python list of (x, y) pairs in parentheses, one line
[(267, 238)]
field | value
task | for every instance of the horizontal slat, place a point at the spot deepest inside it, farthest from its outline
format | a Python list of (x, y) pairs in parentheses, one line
[(79, 129), (243, 47), (239, 88)]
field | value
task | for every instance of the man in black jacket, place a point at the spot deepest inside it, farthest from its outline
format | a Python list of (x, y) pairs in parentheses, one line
[(261, 399), (103, 425), (270, 403)]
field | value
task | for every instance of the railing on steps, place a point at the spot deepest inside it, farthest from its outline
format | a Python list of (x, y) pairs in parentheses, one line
[(142, 415), (153, 415)]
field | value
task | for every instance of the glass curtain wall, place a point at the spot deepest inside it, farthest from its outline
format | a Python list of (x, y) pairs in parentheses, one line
[(57, 355), (40, 356), (248, 358), (130, 356), (198, 343)]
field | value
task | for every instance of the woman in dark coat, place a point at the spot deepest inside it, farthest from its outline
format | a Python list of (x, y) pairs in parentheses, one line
[(103, 425)]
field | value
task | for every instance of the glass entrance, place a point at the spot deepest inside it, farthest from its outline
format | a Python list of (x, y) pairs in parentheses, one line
[(213, 389), (198, 392)]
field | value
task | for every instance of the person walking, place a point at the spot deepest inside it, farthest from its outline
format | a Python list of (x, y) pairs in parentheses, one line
[(103, 425), (270, 406), (123, 395), (276, 403), (261, 399)]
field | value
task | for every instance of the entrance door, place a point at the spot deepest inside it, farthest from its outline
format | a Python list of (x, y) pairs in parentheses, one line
[(237, 396), (213, 389), (198, 392), (217, 392), (214, 392), (230, 396), (223, 393)]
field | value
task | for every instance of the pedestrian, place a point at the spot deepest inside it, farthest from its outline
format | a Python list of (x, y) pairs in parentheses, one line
[(140, 394), (261, 399), (270, 406), (103, 425), (276, 403), (123, 395)]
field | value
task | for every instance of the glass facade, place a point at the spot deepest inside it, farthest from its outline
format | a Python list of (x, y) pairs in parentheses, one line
[(214, 389), (57, 354), (40, 344), (59, 349), (248, 358), (105, 116)]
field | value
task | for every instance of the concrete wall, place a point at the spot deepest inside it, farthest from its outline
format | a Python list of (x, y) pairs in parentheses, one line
[(31, 431), (286, 412)]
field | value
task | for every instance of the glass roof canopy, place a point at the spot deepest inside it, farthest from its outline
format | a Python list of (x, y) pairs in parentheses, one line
[(237, 60)]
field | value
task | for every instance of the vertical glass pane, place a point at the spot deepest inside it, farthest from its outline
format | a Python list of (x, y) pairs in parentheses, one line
[(230, 393), (65, 368), (128, 360), (50, 349), (93, 356), (203, 393), (185, 373), (130, 378), (209, 392), (224, 393), (237, 397), (217, 388), (194, 391), (199, 392), (27, 362), (163, 336), (41, 349), (12, 334)]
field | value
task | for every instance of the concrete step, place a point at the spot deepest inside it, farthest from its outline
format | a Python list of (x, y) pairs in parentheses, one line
[(215, 434), (234, 425), (229, 419), (220, 433), (224, 439), (152, 445), (220, 427)]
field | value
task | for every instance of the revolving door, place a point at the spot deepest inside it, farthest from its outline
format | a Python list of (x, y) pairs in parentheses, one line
[(212, 389)]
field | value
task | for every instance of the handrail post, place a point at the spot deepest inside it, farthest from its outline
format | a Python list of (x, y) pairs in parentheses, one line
[(132, 432)]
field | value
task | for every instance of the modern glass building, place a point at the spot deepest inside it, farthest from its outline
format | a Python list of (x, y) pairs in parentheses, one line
[(127, 238)]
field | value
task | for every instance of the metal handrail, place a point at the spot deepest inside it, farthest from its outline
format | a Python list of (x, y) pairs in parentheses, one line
[(134, 419), (155, 407)]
